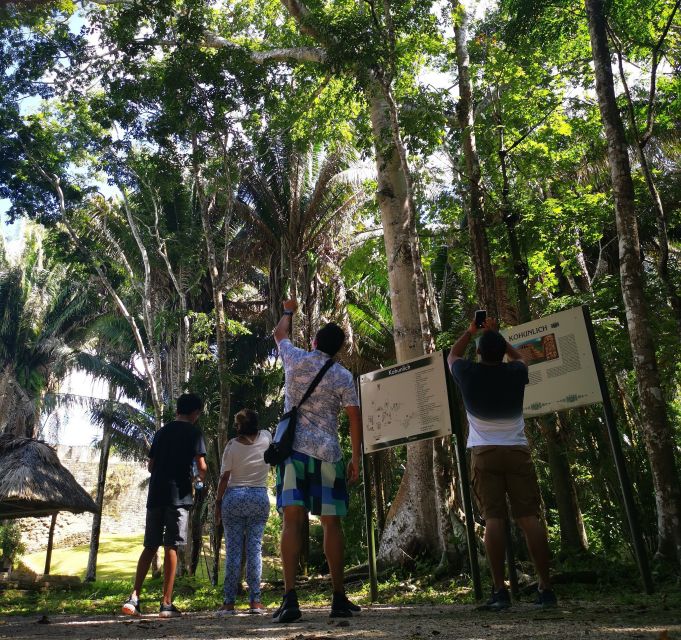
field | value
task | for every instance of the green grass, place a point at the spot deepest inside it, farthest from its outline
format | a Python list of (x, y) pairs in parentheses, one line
[(117, 559), (617, 585), (195, 594), (116, 564)]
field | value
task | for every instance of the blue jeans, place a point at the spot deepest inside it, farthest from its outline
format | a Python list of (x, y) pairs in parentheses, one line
[(244, 513)]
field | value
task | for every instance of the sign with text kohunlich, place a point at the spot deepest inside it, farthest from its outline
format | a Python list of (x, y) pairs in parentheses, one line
[(561, 365), (406, 402)]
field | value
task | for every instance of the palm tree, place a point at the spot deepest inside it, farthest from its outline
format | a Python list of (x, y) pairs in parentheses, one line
[(45, 315), (298, 203)]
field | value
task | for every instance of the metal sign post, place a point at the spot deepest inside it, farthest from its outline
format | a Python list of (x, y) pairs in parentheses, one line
[(412, 401), (462, 467), (616, 445), (369, 515)]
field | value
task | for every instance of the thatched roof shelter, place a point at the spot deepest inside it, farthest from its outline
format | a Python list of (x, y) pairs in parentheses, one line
[(34, 483)]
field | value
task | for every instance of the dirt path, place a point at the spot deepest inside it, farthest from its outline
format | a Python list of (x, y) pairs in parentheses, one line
[(575, 620)]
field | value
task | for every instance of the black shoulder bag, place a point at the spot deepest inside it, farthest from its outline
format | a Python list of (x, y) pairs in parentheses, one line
[(282, 442)]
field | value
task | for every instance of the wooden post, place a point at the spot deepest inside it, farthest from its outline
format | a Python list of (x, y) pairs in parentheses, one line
[(107, 434), (50, 541)]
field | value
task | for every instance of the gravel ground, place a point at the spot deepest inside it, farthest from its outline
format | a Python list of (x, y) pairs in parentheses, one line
[(568, 621)]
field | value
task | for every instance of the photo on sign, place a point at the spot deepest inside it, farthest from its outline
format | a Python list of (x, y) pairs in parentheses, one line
[(562, 373), (539, 349)]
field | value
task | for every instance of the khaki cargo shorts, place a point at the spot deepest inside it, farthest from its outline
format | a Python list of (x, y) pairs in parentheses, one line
[(498, 471)]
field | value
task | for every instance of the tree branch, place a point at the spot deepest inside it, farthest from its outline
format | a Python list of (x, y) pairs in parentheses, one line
[(301, 14), (288, 54), (653, 75), (291, 54), (532, 129)]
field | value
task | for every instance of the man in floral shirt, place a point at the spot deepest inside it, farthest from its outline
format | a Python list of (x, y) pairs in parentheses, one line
[(313, 479)]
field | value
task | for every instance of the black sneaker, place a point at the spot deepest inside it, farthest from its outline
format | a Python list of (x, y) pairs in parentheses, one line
[(169, 611), (288, 611), (341, 607), (131, 607), (500, 600), (546, 599)]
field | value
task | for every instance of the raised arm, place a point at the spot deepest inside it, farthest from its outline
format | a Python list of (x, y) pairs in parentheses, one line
[(459, 347), (281, 331)]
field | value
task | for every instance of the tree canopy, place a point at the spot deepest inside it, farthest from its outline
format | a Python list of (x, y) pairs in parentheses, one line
[(394, 166)]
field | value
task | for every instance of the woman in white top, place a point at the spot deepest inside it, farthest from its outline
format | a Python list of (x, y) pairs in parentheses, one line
[(243, 504)]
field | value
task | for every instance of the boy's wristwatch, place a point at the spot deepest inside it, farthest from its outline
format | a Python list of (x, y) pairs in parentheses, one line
[(288, 313)]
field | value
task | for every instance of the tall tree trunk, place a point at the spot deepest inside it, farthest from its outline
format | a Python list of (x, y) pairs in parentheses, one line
[(640, 144), (195, 533), (181, 366), (433, 308), (206, 206), (91, 572), (510, 219), (442, 462), (584, 281), (151, 367), (17, 411), (419, 276), (450, 526), (148, 309), (341, 299), (411, 524), (658, 433), (572, 533), (484, 274)]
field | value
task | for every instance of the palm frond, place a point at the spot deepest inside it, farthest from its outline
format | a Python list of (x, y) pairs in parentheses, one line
[(355, 175), (102, 368), (133, 429)]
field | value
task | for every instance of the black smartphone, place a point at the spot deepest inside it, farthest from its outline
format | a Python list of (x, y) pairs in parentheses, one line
[(480, 317)]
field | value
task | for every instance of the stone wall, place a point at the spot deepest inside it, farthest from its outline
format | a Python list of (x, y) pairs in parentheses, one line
[(124, 501)]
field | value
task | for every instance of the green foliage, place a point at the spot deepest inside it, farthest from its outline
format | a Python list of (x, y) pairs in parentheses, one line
[(140, 102), (10, 541)]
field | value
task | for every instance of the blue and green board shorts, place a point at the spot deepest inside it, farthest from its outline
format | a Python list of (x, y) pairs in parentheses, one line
[(308, 482)]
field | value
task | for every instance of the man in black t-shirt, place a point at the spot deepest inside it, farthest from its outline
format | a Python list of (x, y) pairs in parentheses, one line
[(175, 447), (501, 464)]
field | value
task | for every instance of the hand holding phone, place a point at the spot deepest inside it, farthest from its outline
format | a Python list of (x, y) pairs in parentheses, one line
[(480, 318)]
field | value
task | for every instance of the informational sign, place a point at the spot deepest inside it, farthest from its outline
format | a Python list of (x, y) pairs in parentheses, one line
[(406, 402), (561, 364)]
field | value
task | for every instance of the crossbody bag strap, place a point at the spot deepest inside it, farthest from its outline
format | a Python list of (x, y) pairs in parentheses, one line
[(327, 365)]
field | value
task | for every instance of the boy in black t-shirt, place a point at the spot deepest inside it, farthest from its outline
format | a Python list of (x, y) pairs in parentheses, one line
[(175, 447)]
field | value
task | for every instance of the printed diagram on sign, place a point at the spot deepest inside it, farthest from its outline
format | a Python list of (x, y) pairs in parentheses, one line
[(405, 403), (384, 416)]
